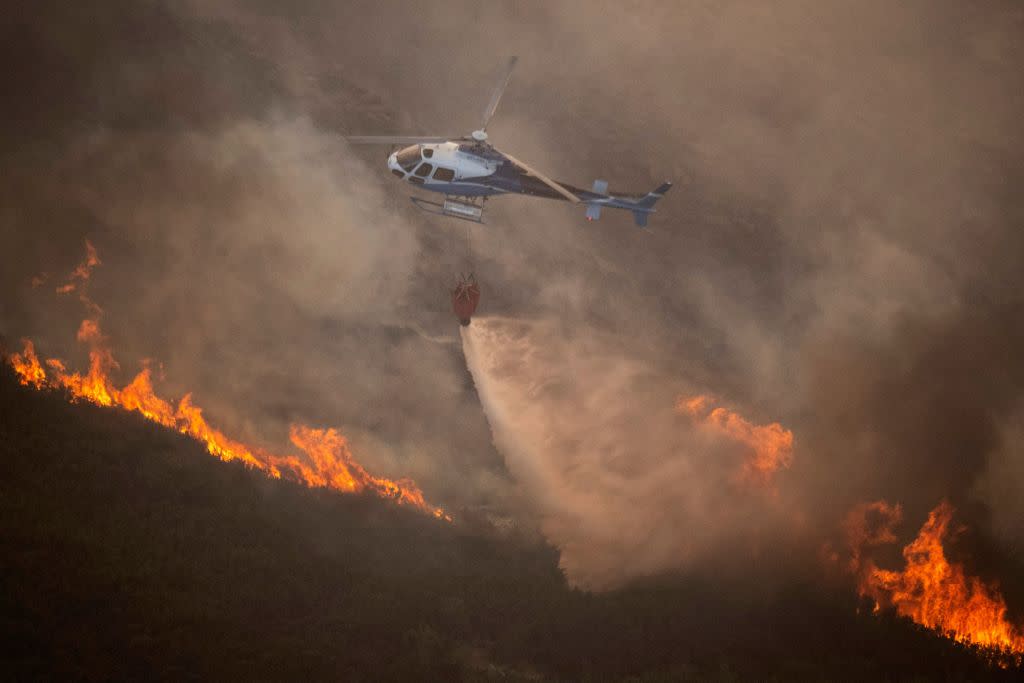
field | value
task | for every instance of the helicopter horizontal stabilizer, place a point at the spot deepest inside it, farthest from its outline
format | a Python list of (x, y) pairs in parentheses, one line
[(594, 209)]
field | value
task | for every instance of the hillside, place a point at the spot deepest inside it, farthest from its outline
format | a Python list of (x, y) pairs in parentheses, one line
[(127, 552)]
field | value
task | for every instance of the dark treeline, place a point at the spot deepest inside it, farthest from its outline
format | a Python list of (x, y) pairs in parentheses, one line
[(126, 552)]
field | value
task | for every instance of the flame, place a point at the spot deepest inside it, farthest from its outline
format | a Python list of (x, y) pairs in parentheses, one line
[(335, 467), (26, 365), (771, 445), (328, 464), (939, 594), (81, 272), (331, 464)]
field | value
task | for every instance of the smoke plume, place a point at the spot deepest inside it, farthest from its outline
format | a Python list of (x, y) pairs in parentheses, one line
[(840, 254)]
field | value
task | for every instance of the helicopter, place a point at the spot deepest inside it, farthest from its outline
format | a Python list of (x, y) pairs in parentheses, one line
[(469, 169)]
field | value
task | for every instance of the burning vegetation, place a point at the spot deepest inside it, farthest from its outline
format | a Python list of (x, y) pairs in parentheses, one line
[(328, 461), (931, 590)]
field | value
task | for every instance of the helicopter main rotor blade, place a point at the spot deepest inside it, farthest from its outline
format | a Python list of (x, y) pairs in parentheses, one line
[(498, 92), (397, 139), (543, 178)]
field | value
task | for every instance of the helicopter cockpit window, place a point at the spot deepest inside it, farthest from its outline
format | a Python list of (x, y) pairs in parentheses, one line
[(408, 157), (424, 170), (444, 174)]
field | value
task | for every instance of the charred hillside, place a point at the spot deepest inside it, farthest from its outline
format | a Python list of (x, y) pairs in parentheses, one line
[(128, 552)]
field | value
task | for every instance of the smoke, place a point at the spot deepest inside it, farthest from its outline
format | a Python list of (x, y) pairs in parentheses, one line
[(1002, 481), (840, 254), (624, 485), (250, 255)]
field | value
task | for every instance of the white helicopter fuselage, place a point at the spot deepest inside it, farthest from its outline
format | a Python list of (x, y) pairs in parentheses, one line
[(449, 168)]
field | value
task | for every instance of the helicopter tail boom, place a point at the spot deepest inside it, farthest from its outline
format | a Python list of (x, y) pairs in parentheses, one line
[(641, 206)]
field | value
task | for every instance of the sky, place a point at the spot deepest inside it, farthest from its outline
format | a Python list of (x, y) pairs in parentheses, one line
[(840, 253)]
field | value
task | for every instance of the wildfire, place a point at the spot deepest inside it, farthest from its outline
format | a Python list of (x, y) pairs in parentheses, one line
[(334, 467), (27, 367), (771, 445), (935, 592), (328, 463)]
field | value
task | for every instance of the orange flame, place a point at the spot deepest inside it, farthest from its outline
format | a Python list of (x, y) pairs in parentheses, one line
[(938, 594), (771, 445), (330, 462), (334, 467), (27, 366), (82, 272)]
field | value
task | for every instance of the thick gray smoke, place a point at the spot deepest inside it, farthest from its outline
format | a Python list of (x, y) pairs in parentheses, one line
[(841, 252)]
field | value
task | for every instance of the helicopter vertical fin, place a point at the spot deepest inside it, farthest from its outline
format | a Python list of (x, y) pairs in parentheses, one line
[(643, 207), (648, 200)]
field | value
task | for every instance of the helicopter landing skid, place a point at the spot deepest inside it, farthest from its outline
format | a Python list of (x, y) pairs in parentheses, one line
[(463, 208)]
